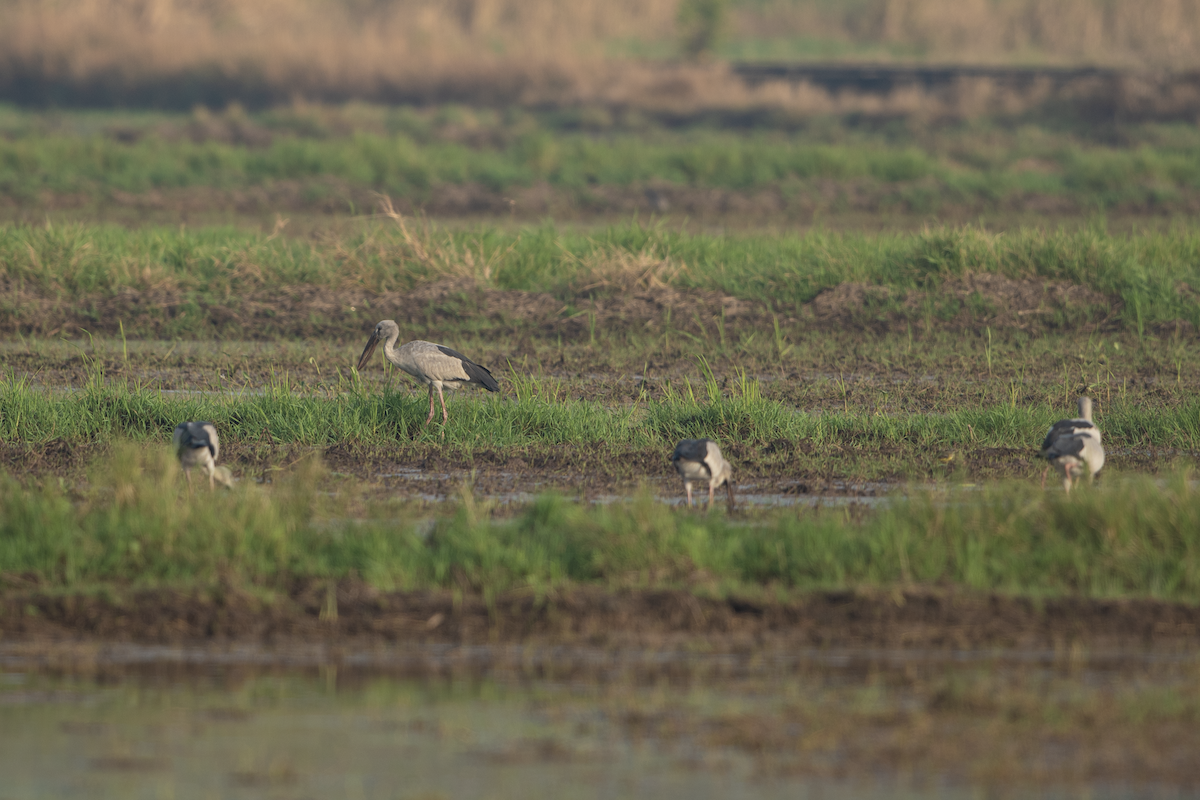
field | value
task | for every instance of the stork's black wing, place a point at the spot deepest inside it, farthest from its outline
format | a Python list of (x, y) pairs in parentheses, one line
[(1064, 428), (1065, 446), (194, 435), (476, 372), (692, 450)]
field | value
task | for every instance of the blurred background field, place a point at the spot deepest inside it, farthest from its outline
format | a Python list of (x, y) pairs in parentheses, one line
[(767, 113), (310, 163), (543, 51)]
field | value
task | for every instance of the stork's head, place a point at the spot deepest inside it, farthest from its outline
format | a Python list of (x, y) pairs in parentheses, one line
[(386, 330), (223, 477)]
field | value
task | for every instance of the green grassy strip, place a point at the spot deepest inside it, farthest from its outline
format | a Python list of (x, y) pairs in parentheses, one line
[(106, 412), (1154, 274), (138, 526), (402, 166), (413, 159)]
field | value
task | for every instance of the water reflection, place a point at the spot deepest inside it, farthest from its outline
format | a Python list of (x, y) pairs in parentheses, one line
[(518, 721), (294, 737)]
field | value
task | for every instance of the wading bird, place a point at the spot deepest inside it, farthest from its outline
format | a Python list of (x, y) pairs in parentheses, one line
[(1072, 446), (196, 445), (701, 460), (431, 364)]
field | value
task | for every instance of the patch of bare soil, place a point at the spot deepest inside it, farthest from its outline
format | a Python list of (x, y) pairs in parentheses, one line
[(965, 303), (826, 200), (317, 311), (56, 457), (779, 472), (353, 612)]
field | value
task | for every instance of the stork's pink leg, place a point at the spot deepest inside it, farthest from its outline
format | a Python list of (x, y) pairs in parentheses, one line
[(430, 417), (687, 487), (442, 400), (710, 495)]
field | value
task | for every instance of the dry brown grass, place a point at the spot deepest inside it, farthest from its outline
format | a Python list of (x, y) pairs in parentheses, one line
[(1155, 34), (543, 52)]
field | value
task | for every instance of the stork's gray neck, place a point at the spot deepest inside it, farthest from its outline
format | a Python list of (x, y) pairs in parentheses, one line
[(389, 347)]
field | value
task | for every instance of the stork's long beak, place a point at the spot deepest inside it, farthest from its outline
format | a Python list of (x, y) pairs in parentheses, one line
[(372, 343)]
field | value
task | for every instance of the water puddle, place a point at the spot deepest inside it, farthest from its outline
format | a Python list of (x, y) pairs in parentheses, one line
[(667, 490)]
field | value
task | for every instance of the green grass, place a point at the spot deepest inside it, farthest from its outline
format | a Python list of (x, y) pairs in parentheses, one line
[(532, 415), (1153, 274), (404, 168), (336, 154), (135, 525)]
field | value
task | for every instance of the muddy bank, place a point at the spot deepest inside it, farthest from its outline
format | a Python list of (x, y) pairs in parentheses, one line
[(354, 614), (781, 472), (437, 310)]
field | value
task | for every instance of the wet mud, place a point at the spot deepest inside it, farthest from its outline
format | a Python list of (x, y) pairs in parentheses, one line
[(781, 473), (353, 613)]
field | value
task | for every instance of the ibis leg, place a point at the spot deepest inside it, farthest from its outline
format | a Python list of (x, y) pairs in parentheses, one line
[(687, 487), (1045, 472), (711, 490)]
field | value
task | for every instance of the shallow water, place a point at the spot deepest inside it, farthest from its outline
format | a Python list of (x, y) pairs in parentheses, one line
[(250, 721), (297, 737), (667, 489)]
